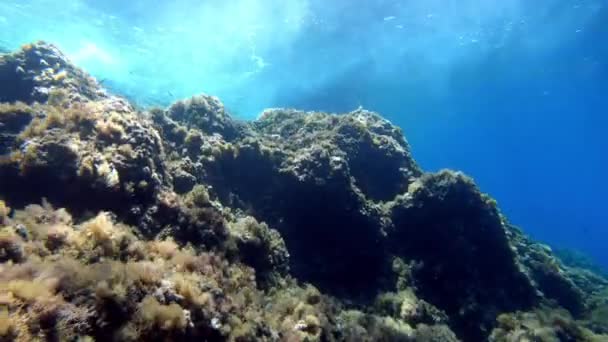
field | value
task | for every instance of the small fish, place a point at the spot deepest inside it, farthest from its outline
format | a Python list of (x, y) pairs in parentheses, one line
[(389, 18), (103, 80), (170, 93)]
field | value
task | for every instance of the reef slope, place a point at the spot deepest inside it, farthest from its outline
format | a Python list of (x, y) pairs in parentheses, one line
[(185, 224)]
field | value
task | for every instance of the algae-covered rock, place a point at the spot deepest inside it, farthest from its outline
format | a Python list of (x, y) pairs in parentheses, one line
[(99, 279), (567, 286), (185, 224), (260, 246), (287, 181), (458, 235), (543, 325), (13, 119), (351, 141), (100, 148), (206, 113), (38, 70)]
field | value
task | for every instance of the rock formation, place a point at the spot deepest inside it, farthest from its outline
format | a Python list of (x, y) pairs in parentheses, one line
[(186, 224)]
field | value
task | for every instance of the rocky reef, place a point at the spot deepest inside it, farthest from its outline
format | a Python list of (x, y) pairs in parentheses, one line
[(186, 224)]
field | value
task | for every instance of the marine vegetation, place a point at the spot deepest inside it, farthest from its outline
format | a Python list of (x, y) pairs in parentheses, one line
[(176, 224)]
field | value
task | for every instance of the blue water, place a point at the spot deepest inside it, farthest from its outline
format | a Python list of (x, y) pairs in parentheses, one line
[(513, 92)]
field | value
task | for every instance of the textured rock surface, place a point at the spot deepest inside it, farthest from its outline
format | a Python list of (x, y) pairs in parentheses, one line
[(31, 74), (305, 173), (336, 201), (457, 234)]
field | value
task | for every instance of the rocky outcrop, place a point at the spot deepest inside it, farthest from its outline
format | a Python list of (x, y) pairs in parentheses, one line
[(88, 151), (34, 72), (206, 113), (336, 201), (467, 265)]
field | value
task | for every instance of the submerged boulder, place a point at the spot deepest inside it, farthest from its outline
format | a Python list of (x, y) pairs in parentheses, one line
[(457, 234), (206, 113), (37, 70)]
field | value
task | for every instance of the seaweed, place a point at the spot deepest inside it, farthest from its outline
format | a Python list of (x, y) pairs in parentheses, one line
[(185, 224)]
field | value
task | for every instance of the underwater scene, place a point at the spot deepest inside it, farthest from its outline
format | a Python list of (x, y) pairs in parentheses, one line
[(304, 170)]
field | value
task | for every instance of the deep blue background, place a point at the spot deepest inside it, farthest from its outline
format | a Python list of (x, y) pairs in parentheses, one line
[(514, 92), (528, 124)]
